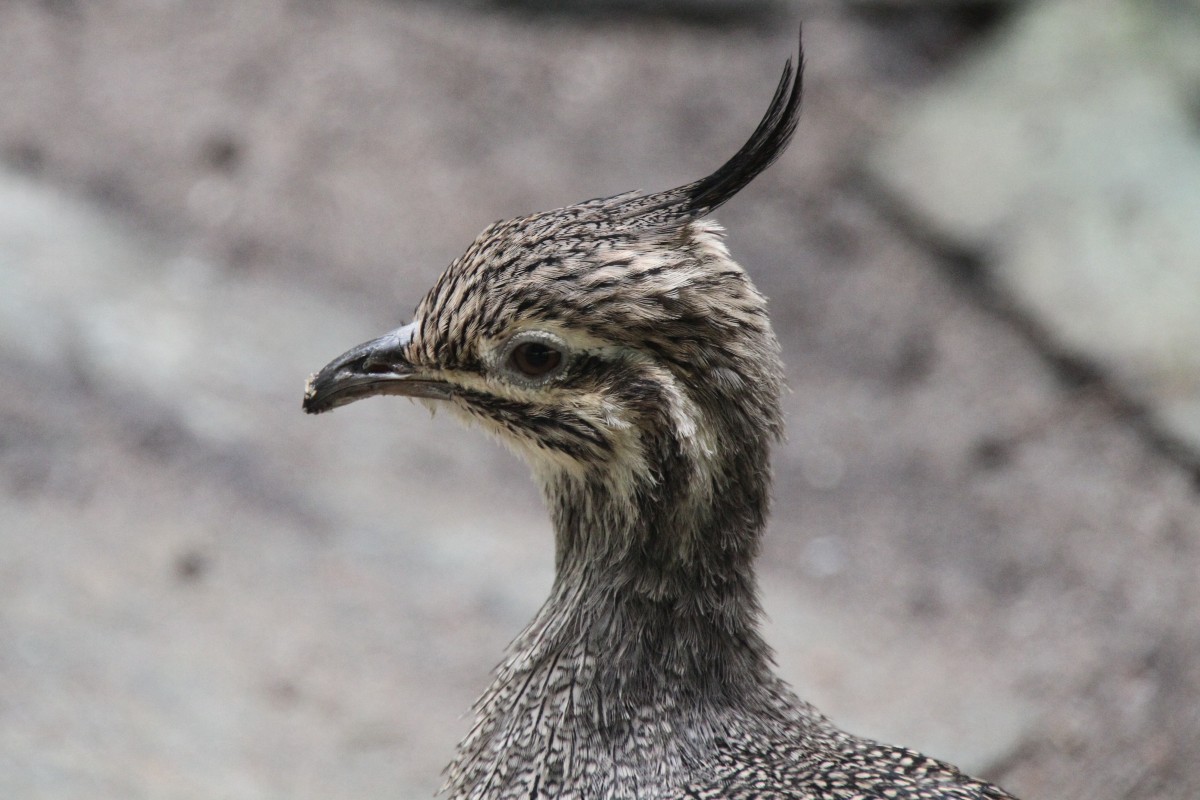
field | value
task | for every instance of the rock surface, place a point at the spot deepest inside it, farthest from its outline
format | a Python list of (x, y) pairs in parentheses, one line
[(1069, 153)]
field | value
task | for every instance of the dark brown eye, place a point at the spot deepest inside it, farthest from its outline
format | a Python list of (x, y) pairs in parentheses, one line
[(534, 359)]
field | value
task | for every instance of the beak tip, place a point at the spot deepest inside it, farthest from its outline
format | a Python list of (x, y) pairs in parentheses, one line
[(312, 403)]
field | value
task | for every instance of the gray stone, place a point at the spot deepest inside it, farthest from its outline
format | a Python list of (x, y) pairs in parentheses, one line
[(158, 530), (1069, 153)]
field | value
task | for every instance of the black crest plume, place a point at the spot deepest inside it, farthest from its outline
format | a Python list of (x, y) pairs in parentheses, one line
[(766, 144), (768, 141)]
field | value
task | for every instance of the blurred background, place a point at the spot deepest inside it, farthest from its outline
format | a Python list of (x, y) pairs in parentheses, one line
[(983, 259)]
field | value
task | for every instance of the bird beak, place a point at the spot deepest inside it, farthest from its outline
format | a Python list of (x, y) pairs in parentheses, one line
[(375, 367)]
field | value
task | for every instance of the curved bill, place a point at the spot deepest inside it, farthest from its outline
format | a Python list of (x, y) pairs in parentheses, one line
[(373, 368)]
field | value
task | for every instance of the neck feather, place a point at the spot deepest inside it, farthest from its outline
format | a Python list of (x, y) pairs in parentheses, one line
[(648, 649), (665, 589)]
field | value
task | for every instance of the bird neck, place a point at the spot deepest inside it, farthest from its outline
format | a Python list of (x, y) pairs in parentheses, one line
[(643, 658), (662, 552), (647, 653), (661, 582)]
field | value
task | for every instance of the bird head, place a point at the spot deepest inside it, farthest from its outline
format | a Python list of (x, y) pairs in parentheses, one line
[(613, 343)]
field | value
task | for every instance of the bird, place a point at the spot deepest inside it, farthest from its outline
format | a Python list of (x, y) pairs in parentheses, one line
[(621, 351)]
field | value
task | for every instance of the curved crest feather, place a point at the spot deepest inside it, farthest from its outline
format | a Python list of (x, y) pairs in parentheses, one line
[(764, 146)]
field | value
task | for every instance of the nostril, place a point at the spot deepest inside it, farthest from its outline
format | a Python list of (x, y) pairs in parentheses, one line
[(374, 365)]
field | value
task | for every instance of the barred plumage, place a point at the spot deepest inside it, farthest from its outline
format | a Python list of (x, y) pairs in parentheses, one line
[(621, 350)]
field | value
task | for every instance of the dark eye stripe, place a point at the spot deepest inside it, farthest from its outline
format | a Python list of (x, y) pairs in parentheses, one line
[(550, 427)]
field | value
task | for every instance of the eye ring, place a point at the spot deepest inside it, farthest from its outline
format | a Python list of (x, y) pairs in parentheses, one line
[(532, 358)]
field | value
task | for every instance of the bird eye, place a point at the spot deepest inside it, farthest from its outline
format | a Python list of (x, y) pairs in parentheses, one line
[(534, 359), (531, 358)]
